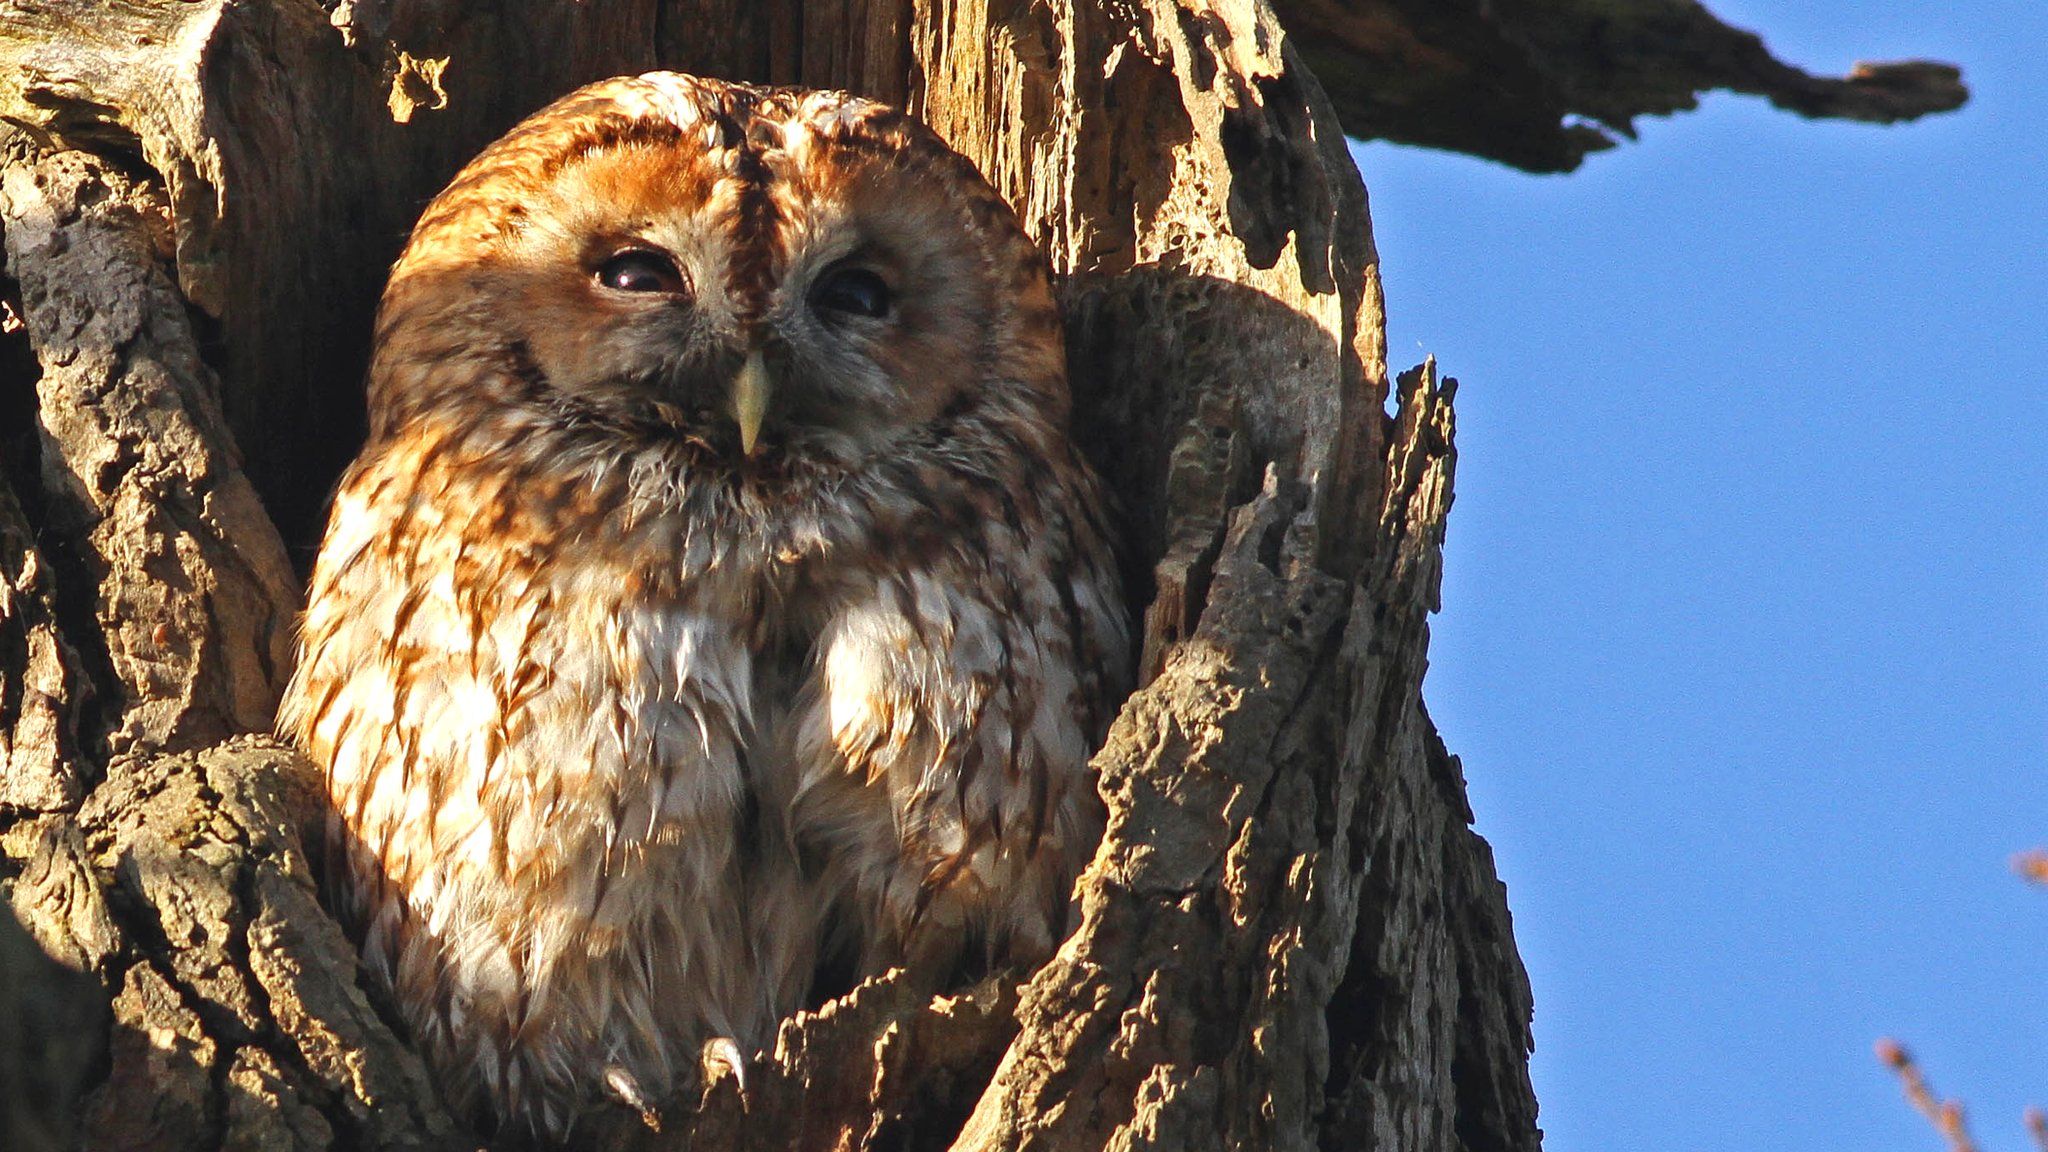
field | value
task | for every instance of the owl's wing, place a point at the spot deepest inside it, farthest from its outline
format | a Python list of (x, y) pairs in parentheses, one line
[(957, 702)]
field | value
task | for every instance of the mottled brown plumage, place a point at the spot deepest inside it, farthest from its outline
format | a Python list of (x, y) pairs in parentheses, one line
[(718, 586)]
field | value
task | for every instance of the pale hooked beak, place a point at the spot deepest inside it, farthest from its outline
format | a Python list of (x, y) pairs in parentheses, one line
[(750, 391)]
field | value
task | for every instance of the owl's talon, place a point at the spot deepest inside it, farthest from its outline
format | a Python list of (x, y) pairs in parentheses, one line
[(625, 1088), (722, 1053)]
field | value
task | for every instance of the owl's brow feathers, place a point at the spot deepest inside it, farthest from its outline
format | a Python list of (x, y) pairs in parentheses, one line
[(736, 125)]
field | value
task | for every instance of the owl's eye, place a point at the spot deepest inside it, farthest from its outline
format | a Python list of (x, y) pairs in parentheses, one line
[(853, 291), (638, 270)]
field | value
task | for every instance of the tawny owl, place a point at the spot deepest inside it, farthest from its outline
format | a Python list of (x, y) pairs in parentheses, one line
[(718, 586)]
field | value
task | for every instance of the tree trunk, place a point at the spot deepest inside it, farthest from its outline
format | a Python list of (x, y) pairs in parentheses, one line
[(1290, 936)]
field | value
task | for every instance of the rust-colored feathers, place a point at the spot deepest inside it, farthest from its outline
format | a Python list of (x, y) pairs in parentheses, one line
[(718, 587)]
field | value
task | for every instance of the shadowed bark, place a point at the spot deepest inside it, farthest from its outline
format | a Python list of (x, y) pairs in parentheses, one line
[(1290, 936)]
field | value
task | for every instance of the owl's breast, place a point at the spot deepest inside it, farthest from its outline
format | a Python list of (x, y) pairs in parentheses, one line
[(491, 691)]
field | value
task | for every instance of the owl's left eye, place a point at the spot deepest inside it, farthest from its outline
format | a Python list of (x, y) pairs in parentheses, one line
[(638, 270), (852, 291)]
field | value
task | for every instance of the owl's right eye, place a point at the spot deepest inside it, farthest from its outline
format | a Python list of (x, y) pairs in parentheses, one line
[(639, 270)]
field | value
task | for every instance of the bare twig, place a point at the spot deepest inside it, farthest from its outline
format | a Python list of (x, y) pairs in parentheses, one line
[(1945, 1115), (2032, 865), (2037, 1127)]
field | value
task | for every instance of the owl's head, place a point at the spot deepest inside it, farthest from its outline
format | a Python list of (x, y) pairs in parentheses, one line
[(766, 273)]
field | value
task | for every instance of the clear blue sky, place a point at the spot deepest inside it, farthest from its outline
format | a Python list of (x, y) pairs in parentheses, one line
[(1745, 627)]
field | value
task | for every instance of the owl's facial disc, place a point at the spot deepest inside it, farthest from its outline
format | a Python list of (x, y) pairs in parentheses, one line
[(793, 292)]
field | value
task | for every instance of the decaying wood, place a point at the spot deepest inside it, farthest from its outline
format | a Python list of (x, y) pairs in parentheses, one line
[(1291, 938)]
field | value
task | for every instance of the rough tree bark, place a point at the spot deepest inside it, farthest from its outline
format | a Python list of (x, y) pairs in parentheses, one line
[(1291, 938)]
